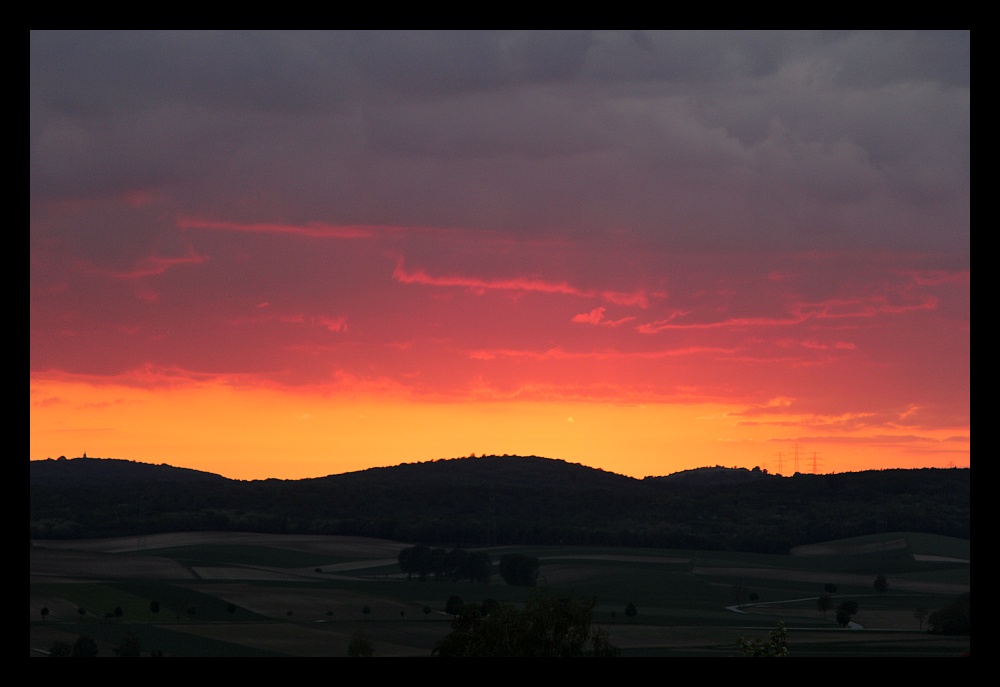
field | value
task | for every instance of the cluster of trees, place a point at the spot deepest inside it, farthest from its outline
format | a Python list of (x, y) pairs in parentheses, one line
[(84, 646), (547, 626), (423, 561), (776, 645), (954, 619), (129, 647), (454, 565), (846, 609)]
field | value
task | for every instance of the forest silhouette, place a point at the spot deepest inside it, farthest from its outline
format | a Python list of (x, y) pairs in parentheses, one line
[(500, 500)]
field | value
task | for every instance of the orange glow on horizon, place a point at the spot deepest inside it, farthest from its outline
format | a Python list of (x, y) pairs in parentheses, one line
[(260, 433)]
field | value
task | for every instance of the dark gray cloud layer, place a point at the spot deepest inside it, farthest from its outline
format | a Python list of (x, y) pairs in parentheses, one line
[(691, 140)]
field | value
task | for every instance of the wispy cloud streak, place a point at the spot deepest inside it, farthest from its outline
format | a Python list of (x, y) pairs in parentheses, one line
[(479, 285), (150, 267), (312, 229)]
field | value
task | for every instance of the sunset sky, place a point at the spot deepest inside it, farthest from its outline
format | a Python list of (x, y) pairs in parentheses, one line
[(295, 254)]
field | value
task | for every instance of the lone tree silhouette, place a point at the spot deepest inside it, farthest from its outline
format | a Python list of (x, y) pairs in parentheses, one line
[(825, 603), (845, 612), (631, 611)]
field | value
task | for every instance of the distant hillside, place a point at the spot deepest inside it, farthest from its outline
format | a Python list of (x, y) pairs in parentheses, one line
[(96, 471), (508, 471), (714, 477), (497, 500)]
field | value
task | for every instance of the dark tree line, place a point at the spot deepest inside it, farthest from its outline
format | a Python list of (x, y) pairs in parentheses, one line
[(441, 503), (519, 570), (454, 565)]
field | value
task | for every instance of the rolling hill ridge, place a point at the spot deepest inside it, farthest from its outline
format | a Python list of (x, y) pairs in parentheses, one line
[(496, 500)]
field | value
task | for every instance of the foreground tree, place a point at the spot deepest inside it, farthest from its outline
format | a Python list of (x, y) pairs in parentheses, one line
[(954, 619), (548, 626), (488, 606), (61, 649), (360, 645), (85, 646), (777, 645), (454, 605)]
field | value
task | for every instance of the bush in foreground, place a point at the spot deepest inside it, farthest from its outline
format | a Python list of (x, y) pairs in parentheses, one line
[(548, 626)]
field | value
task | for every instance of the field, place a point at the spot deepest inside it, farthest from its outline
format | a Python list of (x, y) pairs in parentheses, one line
[(229, 594)]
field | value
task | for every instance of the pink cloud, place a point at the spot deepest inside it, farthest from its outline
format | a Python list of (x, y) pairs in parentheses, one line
[(593, 317), (660, 325), (558, 353), (334, 324), (480, 286), (596, 316)]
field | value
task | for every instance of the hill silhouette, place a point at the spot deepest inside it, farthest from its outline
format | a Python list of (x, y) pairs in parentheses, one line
[(96, 471), (713, 477), (497, 500)]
